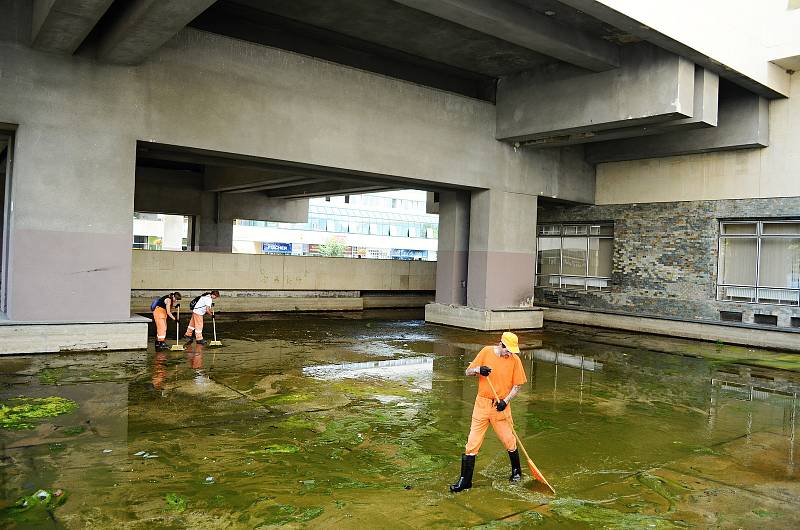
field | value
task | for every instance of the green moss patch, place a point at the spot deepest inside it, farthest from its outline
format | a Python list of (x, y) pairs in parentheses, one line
[(275, 449), (21, 412), (51, 376), (175, 503), (598, 517), (34, 509), (281, 514)]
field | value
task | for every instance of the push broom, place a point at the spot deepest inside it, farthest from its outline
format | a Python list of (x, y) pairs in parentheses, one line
[(177, 346), (214, 342), (534, 470)]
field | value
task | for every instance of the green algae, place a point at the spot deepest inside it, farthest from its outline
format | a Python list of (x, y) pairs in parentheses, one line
[(35, 509), (662, 487), (56, 447), (175, 503), (18, 417), (51, 376), (281, 514), (287, 399), (73, 431), (590, 513), (99, 375), (298, 423), (275, 449), (362, 389), (523, 520)]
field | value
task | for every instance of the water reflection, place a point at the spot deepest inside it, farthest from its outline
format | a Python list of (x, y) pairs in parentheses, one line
[(417, 371), (290, 421)]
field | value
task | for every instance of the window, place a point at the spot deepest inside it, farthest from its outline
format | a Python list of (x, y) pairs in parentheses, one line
[(156, 231), (574, 256), (759, 262)]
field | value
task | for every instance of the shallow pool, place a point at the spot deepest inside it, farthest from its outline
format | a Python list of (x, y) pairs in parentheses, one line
[(359, 420)]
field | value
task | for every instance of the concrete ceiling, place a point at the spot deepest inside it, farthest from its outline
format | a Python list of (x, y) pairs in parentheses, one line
[(457, 45)]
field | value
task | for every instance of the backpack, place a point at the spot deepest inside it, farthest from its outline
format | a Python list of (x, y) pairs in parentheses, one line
[(196, 299), (155, 303)]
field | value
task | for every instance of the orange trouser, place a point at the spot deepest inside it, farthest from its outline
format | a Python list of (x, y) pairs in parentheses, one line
[(160, 318), (196, 325), (484, 413)]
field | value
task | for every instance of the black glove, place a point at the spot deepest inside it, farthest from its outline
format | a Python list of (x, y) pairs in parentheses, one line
[(501, 406), (485, 370)]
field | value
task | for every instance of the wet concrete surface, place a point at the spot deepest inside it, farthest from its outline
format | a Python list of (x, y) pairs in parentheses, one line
[(358, 420)]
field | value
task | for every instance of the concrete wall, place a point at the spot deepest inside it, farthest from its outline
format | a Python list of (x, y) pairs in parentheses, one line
[(171, 271), (773, 171), (79, 121)]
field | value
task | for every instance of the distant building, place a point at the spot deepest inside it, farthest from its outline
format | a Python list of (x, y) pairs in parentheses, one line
[(387, 225)]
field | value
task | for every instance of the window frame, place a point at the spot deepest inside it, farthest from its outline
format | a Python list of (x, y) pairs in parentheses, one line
[(558, 230), (759, 236)]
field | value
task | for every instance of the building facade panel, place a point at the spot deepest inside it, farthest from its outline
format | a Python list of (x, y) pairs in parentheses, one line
[(666, 257)]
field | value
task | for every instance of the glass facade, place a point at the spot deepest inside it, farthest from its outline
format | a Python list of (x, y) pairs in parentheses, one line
[(360, 221)]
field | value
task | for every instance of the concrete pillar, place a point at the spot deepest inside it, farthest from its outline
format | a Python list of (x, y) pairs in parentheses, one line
[(451, 266), (71, 227), (173, 233), (214, 231), (502, 249)]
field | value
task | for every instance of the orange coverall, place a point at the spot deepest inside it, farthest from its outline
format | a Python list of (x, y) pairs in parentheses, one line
[(507, 372)]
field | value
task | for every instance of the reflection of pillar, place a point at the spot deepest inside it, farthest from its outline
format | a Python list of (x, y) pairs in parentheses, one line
[(173, 233), (502, 249), (214, 233), (451, 266)]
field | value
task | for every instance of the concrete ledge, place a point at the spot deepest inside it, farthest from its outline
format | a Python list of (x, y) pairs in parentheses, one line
[(50, 337), (783, 340), (484, 319), (260, 304), (380, 302)]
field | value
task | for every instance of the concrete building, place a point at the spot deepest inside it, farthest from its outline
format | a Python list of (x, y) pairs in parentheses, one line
[(648, 153), (384, 225)]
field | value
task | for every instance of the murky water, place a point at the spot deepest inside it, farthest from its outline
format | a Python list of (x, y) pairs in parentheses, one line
[(358, 421)]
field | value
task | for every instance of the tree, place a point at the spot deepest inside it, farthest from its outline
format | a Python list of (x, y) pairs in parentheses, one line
[(332, 249)]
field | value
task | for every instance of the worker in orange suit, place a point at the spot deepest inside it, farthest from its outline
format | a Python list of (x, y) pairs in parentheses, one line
[(162, 308), (507, 376)]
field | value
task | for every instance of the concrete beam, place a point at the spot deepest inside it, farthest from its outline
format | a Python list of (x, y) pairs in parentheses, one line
[(259, 207), (665, 25), (146, 25), (743, 123), (328, 188), (516, 24), (60, 26), (650, 86), (706, 96)]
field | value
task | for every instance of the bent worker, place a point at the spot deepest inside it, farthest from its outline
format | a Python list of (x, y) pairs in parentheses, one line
[(162, 308), (200, 306), (507, 375)]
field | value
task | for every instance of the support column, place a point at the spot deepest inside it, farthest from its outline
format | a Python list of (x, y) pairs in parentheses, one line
[(452, 254), (502, 249), (501, 266), (214, 231)]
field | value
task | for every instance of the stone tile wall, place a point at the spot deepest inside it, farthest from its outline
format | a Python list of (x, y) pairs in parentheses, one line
[(665, 258)]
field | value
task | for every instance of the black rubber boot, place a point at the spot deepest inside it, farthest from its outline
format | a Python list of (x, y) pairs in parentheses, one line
[(465, 480), (516, 469), (201, 342)]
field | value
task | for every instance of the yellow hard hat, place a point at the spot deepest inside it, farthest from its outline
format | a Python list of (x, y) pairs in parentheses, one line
[(510, 341)]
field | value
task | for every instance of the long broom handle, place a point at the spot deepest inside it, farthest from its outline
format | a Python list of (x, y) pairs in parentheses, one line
[(178, 326), (511, 424)]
